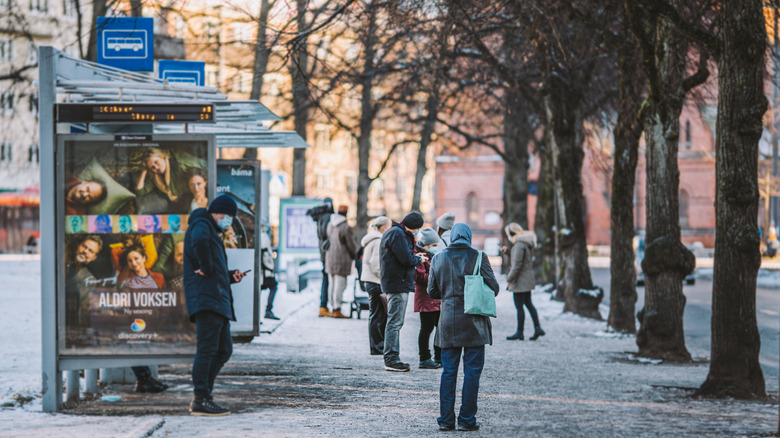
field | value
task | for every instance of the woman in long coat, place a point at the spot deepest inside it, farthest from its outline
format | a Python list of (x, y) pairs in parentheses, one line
[(520, 280), (459, 332)]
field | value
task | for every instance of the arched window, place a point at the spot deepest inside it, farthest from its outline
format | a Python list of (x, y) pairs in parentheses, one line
[(472, 210), (684, 205)]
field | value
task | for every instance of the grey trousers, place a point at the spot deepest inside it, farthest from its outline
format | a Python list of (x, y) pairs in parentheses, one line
[(396, 312), (336, 284)]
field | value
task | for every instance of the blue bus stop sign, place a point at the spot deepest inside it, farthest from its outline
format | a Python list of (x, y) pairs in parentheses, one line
[(126, 43), (182, 72)]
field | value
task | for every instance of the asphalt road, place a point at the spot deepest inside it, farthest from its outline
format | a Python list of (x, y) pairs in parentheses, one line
[(698, 314)]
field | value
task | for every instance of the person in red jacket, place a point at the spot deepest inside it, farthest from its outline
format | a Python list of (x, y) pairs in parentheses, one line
[(428, 243)]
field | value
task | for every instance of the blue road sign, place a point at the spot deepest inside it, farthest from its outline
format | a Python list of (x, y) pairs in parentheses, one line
[(182, 72), (126, 43)]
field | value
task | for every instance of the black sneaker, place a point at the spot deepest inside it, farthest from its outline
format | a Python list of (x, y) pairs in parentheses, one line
[(270, 315), (446, 427), (466, 428), (207, 408), (150, 384), (430, 364), (397, 366)]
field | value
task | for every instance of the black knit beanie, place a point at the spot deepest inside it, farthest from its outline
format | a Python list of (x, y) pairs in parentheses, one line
[(413, 220), (223, 204)]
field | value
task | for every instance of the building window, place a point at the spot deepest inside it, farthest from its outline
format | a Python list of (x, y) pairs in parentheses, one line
[(472, 209), (377, 189), (41, 6), (6, 4), (322, 137), (212, 78), (687, 134), (324, 182), (684, 208), (33, 104), (6, 50), (6, 152), (7, 101), (350, 183), (242, 32), (70, 7), (32, 54), (179, 27), (212, 31), (34, 153)]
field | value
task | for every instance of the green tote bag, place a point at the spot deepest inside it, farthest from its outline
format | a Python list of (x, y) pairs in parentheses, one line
[(478, 299)]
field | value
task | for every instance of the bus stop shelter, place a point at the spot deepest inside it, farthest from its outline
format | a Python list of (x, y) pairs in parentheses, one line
[(108, 127)]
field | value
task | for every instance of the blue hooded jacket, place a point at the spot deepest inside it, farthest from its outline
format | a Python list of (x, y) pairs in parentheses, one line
[(204, 250)]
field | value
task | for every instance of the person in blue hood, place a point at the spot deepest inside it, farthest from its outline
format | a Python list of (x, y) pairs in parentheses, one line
[(459, 332), (209, 298)]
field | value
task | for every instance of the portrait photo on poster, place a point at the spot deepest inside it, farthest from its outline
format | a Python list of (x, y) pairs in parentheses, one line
[(126, 211)]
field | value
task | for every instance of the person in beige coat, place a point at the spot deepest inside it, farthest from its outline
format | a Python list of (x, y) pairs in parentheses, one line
[(377, 315), (520, 280), (338, 259)]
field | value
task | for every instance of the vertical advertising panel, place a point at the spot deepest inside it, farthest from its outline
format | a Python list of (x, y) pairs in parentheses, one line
[(297, 231), (126, 207), (241, 181)]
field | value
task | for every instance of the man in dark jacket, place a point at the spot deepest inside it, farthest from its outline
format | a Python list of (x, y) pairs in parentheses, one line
[(209, 298), (457, 330), (397, 263), (322, 234)]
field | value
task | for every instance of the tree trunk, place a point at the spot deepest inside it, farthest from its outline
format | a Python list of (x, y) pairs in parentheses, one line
[(301, 104), (367, 114), (628, 130), (262, 52), (136, 8), (667, 261), (544, 221), (516, 136), (99, 9), (564, 121), (431, 114), (734, 368)]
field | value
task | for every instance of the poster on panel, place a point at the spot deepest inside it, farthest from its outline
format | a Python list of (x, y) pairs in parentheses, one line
[(126, 208), (298, 241), (241, 181)]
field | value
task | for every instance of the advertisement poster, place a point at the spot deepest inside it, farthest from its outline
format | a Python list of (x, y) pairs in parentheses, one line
[(241, 181), (126, 205), (297, 231)]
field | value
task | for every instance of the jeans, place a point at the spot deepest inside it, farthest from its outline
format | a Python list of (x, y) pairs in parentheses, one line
[(214, 349), (396, 312), (524, 299), (272, 285), (337, 285), (324, 290), (428, 322), (473, 362), (377, 319)]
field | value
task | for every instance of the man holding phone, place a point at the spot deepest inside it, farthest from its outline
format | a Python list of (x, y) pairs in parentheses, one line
[(209, 299)]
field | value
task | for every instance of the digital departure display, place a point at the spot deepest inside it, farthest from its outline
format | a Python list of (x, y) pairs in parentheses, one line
[(135, 113)]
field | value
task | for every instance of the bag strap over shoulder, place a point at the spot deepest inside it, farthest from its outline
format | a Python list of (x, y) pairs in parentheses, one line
[(478, 264)]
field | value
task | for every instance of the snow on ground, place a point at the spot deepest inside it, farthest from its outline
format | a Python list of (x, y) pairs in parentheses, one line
[(313, 377)]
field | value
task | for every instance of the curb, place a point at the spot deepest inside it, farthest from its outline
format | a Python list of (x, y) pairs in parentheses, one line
[(283, 320)]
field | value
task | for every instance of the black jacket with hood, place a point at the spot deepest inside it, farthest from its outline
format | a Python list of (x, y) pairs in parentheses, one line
[(397, 260), (204, 250)]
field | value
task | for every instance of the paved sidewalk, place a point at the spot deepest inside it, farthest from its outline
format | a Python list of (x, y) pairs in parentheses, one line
[(314, 377)]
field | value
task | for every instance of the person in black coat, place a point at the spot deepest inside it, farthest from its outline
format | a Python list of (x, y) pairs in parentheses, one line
[(209, 298), (459, 332), (397, 263)]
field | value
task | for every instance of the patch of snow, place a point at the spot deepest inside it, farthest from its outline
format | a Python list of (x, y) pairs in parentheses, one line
[(645, 360), (566, 231), (595, 293)]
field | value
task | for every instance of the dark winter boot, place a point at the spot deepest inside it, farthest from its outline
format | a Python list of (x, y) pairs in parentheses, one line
[(538, 332), (149, 384), (515, 337)]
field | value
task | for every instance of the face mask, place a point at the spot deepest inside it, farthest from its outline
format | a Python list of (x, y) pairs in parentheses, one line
[(434, 249), (225, 222), (416, 233)]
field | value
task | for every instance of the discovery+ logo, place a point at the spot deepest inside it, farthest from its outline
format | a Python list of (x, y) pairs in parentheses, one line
[(138, 325)]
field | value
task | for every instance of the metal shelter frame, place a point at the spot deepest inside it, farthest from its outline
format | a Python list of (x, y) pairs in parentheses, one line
[(63, 78)]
